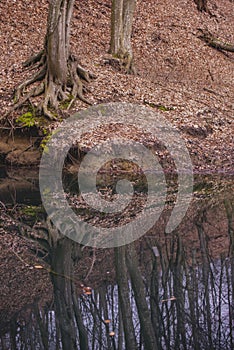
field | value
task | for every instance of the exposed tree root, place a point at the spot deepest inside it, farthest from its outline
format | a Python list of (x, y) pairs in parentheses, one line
[(214, 42), (202, 5), (129, 64), (123, 64), (77, 73), (34, 59), (54, 92), (38, 76)]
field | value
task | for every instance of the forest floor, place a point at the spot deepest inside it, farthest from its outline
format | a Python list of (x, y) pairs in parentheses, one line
[(190, 83)]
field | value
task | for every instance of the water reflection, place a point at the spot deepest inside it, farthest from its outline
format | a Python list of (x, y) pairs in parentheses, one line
[(162, 292)]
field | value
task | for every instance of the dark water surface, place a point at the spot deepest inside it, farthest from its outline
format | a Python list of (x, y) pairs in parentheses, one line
[(164, 291)]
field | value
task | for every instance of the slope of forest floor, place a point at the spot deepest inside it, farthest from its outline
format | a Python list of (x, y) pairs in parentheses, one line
[(190, 83)]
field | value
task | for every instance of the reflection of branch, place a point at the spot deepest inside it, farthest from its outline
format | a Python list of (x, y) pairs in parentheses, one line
[(169, 299), (92, 265), (214, 42)]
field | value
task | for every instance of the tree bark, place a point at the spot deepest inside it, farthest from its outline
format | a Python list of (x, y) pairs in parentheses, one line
[(58, 39), (121, 30), (61, 76)]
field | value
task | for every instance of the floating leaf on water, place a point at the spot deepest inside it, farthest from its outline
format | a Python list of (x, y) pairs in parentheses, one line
[(88, 293), (38, 267)]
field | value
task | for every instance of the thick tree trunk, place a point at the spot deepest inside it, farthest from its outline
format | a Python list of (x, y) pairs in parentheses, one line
[(60, 65), (61, 75), (121, 30), (58, 39)]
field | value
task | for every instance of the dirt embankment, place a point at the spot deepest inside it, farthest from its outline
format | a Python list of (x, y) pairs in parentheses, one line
[(19, 150)]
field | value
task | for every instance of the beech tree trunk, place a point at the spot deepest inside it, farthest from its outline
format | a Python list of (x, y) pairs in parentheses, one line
[(58, 39), (61, 76), (121, 30), (62, 69)]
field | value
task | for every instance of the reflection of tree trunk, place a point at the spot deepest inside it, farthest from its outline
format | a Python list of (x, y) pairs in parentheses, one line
[(42, 327), (179, 294), (62, 270), (13, 333), (66, 305), (81, 328), (147, 330), (205, 281), (166, 262), (190, 286), (219, 306), (154, 302), (125, 306), (104, 307), (230, 215), (121, 330)]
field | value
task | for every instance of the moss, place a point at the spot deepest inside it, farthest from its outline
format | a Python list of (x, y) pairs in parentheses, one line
[(47, 136), (30, 214), (163, 108), (32, 211), (159, 106), (32, 119), (203, 187), (44, 142), (27, 119), (65, 104)]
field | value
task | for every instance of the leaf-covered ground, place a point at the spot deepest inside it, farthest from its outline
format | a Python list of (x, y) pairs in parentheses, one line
[(190, 83)]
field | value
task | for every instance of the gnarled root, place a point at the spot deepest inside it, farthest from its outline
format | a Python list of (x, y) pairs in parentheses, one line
[(76, 74), (54, 92)]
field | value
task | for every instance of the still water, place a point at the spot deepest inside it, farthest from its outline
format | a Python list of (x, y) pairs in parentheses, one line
[(164, 291)]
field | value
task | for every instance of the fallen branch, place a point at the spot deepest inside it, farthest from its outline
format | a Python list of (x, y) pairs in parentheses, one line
[(214, 42)]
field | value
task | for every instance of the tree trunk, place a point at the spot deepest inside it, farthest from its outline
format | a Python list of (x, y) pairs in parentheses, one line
[(58, 39), (61, 76), (121, 30)]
